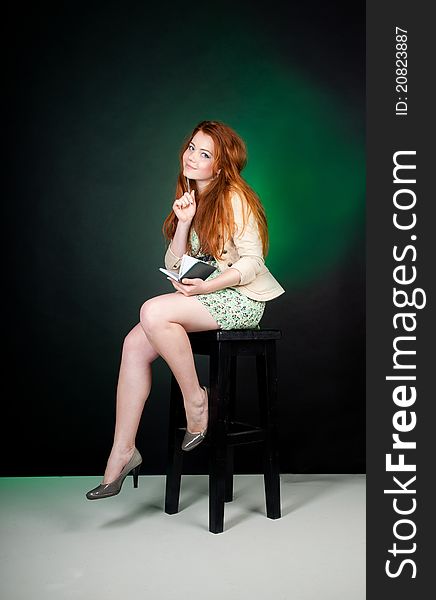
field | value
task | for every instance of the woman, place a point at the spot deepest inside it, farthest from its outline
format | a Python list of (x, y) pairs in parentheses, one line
[(217, 217)]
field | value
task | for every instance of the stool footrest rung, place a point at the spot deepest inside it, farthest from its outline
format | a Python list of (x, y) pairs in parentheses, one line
[(239, 433), (244, 433)]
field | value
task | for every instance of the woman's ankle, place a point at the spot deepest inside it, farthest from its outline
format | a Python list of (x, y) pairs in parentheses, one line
[(197, 413), (122, 448)]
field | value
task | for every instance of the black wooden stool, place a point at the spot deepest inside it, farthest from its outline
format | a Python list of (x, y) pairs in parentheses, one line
[(223, 433)]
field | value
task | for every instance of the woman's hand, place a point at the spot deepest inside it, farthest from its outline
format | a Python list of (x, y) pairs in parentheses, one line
[(190, 287), (185, 207)]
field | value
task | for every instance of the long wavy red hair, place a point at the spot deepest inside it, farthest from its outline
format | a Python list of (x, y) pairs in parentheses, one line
[(213, 220)]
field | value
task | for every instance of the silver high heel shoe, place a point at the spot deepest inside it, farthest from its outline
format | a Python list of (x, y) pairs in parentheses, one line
[(192, 440), (105, 490)]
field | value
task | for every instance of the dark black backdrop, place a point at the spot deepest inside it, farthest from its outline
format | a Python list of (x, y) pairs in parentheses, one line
[(62, 362)]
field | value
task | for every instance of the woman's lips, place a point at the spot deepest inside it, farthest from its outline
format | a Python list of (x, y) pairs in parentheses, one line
[(189, 167)]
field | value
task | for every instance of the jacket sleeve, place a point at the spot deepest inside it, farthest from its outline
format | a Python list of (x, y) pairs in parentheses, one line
[(172, 262), (248, 243)]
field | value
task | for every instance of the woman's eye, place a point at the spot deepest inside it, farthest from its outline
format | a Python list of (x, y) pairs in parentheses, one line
[(191, 147)]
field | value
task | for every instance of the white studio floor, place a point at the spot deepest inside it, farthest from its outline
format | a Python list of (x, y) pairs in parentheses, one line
[(56, 544)]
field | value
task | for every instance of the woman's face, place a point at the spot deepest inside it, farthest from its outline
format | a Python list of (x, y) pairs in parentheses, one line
[(198, 159)]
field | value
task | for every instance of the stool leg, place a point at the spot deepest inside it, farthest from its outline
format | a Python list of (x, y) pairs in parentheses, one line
[(218, 420), (267, 385), (230, 449), (175, 456), (229, 474)]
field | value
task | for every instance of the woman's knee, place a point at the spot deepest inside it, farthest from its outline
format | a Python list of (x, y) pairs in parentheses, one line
[(136, 342), (151, 314)]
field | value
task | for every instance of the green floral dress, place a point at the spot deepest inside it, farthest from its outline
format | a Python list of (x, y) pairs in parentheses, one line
[(230, 308)]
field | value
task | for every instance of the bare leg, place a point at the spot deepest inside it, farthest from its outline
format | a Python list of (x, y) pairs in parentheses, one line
[(166, 320), (134, 385), (157, 335)]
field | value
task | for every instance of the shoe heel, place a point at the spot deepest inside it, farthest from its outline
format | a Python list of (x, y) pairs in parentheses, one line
[(135, 473)]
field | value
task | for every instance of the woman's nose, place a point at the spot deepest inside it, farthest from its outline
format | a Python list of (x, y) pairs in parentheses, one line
[(192, 158)]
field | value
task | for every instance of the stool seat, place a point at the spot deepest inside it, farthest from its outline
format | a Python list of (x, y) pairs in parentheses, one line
[(231, 335), (225, 433)]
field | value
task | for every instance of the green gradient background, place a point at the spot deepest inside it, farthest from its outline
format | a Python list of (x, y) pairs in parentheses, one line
[(112, 116), (105, 96)]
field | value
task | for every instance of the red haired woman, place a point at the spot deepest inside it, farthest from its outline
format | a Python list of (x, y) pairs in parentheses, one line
[(218, 218)]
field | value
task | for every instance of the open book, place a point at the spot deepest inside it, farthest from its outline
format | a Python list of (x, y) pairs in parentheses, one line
[(190, 267)]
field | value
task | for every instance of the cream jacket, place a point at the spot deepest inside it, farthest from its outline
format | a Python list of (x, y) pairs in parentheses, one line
[(242, 252)]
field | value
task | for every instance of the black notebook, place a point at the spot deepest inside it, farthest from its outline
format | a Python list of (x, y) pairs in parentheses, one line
[(190, 267)]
